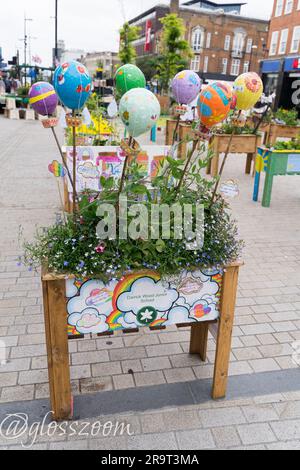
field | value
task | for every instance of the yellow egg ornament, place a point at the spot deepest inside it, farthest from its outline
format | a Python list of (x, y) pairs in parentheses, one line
[(248, 89)]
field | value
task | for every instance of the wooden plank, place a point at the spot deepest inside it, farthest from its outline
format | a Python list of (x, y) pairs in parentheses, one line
[(245, 143), (170, 128), (228, 300), (54, 295), (199, 338)]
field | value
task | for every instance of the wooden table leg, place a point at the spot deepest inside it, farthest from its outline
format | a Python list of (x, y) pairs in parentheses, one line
[(249, 160), (266, 202), (54, 293), (199, 338), (215, 165), (227, 308), (208, 168)]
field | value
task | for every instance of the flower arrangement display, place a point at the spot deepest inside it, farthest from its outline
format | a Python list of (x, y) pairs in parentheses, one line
[(74, 246)]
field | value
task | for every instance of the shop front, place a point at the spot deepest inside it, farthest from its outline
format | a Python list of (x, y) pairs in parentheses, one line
[(283, 78)]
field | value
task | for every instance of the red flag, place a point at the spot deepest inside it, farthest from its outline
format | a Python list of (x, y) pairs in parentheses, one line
[(148, 36)]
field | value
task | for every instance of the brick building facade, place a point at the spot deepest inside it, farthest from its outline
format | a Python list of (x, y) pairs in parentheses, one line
[(281, 70), (224, 43)]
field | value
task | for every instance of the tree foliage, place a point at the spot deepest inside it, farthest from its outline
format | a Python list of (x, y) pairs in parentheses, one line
[(174, 50), (128, 34)]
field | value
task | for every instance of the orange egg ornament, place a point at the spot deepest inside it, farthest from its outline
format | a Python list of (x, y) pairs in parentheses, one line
[(214, 103)]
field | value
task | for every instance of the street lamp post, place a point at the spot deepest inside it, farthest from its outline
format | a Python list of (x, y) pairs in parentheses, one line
[(56, 33), (25, 45)]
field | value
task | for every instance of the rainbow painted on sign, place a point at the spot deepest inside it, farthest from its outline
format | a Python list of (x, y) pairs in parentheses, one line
[(142, 299)]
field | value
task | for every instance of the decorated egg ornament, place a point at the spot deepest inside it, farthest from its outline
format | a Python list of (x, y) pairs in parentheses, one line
[(43, 99), (128, 77), (214, 104), (186, 86), (139, 110), (72, 84), (248, 89)]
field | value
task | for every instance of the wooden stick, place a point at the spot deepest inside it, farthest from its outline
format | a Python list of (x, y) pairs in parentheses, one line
[(63, 158), (189, 159), (125, 167), (61, 199), (176, 129), (222, 167), (74, 167)]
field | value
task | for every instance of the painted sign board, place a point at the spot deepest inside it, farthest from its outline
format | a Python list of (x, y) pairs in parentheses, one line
[(142, 299)]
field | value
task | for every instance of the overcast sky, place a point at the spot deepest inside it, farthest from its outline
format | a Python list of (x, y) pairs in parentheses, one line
[(91, 25)]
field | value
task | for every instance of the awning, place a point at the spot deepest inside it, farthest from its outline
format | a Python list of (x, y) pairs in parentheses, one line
[(271, 66)]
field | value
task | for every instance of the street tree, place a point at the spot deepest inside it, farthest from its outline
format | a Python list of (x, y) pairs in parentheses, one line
[(175, 52), (128, 34)]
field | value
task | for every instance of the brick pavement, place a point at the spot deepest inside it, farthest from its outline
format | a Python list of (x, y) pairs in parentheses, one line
[(267, 316)]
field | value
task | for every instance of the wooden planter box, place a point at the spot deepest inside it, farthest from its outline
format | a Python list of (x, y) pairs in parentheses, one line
[(204, 300), (274, 163), (246, 143), (164, 102), (273, 132)]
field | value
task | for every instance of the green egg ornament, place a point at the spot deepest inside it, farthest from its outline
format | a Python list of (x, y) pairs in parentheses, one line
[(139, 110), (128, 77)]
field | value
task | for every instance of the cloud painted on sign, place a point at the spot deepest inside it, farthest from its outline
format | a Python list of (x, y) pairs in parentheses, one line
[(146, 292), (94, 294), (89, 321)]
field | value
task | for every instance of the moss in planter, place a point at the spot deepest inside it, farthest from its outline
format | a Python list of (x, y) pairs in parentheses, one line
[(73, 247)]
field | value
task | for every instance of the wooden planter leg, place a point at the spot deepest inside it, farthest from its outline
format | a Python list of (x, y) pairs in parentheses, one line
[(215, 165), (227, 308), (54, 293), (250, 157), (199, 338)]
